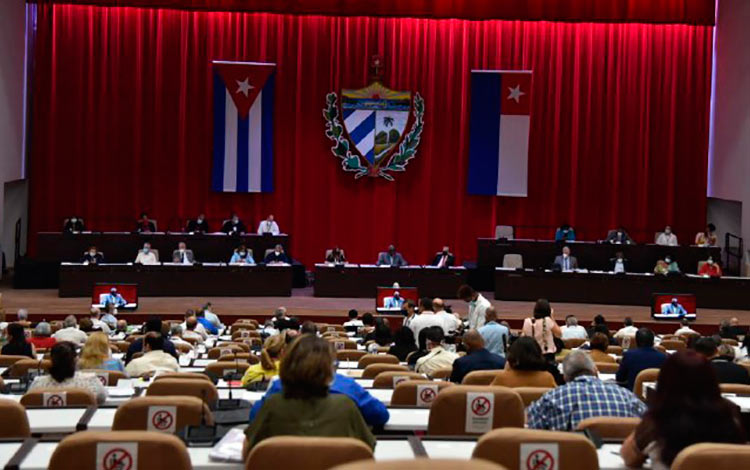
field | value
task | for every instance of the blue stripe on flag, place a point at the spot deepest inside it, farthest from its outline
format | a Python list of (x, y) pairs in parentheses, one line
[(243, 155), (217, 178), (365, 127), (266, 155), (484, 143), (348, 112)]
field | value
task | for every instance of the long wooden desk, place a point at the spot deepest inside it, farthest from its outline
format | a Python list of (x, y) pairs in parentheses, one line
[(77, 280), (591, 255), (122, 247), (628, 289), (362, 280)]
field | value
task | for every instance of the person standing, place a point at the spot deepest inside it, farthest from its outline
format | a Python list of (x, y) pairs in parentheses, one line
[(478, 306), (542, 327)]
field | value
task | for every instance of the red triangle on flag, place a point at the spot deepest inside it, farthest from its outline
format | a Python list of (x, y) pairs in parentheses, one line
[(244, 81)]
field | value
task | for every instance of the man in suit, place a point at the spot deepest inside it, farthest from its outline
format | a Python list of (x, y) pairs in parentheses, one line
[(268, 227), (144, 224), (277, 256), (233, 226), (336, 256), (643, 357), (619, 236), (391, 258), (114, 298), (673, 308), (198, 225), (182, 255), (566, 262), (74, 225), (92, 256), (722, 361), (394, 302), (618, 264), (476, 358), (444, 259)]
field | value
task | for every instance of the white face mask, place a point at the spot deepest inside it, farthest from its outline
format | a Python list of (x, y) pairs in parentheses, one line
[(74, 220), (92, 253), (182, 250), (277, 252), (146, 249), (565, 255)]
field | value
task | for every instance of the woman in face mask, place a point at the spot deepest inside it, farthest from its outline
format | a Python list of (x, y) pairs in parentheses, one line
[(92, 256), (242, 256)]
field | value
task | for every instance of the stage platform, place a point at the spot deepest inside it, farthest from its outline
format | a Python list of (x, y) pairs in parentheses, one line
[(45, 304)]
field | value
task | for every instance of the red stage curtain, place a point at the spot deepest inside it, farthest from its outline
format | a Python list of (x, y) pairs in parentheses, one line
[(646, 11), (121, 121)]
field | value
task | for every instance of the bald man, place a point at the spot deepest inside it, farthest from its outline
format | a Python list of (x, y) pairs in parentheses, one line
[(476, 358), (450, 322)]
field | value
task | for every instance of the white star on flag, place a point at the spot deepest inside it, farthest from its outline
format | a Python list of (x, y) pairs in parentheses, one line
[(515, 93), (244, 86)]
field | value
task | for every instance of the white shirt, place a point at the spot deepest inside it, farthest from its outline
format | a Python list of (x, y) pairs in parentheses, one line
[(97, 323), (200, 329), (438, 358), (71, 334), (193, 335), (146, 258), (477, 309), (356, 322), (150, 362), (85, 380), (268, 227), (619, 266), (213, 318), (666, 240), (574, 332), (686, 330), (424, 320), (626, 331), (450, 322)]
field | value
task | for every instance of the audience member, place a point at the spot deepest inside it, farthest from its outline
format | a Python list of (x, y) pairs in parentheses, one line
[(409, 311), (686, 408), (542, 327), (450, 322), (477, 357), (627, 331), (320, 351), (87, 326), (22, 318), (207, 325), (583, 396), (191, 330), (154, 357), (95, 317), (403, 343), (685, 329), (307, 405), (308, 328), (354, 321), (153, 324), (381, 335), (41, 338), (62, 373), (17, 344), (644, 356), (437, 356), (270, 356), (495, 335), (572, 330), (426, 317), (526, 367), (209, 314), (477, 306), (721, 357), (70, 332), (97, 355), (598, 348), (368, 320)]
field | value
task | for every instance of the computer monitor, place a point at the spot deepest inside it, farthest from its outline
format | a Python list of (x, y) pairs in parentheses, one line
[(129, 293), (673, 306), (388, 301)]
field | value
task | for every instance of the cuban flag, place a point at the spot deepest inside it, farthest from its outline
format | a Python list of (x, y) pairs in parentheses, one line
[(243, 127), (499, 132)]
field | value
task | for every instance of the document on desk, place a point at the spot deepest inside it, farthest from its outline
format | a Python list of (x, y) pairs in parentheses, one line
[(229, 448)]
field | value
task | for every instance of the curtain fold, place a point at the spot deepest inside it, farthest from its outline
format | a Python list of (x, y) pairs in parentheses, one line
[(121, 122)]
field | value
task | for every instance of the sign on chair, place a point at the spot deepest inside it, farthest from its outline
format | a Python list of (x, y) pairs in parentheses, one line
[(480, 407), (103, 378), (539, 456), (426, 395), (55, 399), (117, 456), (162, 418)]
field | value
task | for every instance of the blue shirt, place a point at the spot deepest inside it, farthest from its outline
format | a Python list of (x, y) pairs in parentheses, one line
[(210, 327), (112, 364), (373, 410), (562, 408), (495, 336), (562, 235), (636, 360), (117, 300)]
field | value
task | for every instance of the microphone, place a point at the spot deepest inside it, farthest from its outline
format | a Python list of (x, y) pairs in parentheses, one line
[(231, 403)]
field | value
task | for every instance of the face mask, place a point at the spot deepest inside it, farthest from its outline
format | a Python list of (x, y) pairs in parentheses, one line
[(146, 249), (619, 234), (243, 253), (74, 220), (200, 220), (182, 250), (667, 260), (92, 253), (710, 262), (235, 220), (667, 232), (277, 252), (565, 255)]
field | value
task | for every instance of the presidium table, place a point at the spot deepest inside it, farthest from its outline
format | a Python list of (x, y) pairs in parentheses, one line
[(361, 280)]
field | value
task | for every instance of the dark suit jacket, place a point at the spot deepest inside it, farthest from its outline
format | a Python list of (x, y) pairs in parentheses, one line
[(74, 227), (448, 262), (272, 258), (476, 360), (573, 262), (384, 258), (729, 372), (636, 360), (613, 261), (229, 227), (194, 226), (613, 238), (96, 259), (147, 227)]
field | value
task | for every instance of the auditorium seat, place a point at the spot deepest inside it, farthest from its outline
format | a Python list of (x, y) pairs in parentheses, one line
[(422, 464), (448, 410), (133, 415), (572, 343), (181, 375), (341, 343), (122, 346), (21, 368), (349, 354), (607, 367), (503, 446), (156, 451), (444, 373), (737, 389), (609, 427), (368, 359), (730, 341), (513, 261), (405, 393), (220, 368), (112, 375), (387, 378), (215, 353), (242, 334), (249, 358), (182, 348), (244, 346), (531, 394), (333, 328), (7, 360), (202, 389), (73, 397), (523, 378), (674, 345), (713, 456), (310, 453), (15, 423), (480, 377), (646, 375), (371, 371), (617, 350)]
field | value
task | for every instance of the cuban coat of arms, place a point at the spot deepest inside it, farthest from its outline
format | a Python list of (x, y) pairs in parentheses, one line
[(370, 130)]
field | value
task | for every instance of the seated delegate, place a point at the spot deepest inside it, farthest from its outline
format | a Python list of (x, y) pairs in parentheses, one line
[(234, 226), (391, 258), (146, 256), (336, 256), (242, 256), (198, 225), (268, 227), (277, 256), (144, 224), (92, 256)]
